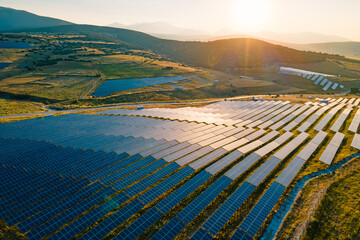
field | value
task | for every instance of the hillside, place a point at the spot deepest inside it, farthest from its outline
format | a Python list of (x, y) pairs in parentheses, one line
[(349, 49), (221, 54), (12, 20)]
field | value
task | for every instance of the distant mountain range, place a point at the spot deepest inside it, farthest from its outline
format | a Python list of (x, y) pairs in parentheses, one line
[(349, 49), (12, 20), (159, 28), (169, 31), (18, 20)]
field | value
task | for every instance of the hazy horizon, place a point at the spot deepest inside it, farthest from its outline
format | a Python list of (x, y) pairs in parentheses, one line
[(278, 16)]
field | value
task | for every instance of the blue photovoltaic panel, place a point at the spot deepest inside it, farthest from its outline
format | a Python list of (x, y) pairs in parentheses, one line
[(182, 192), (240, 235), (58, 207), (228, 208), (20, 203), (110, 169), (29, 191), (204, 199), (58, 221), (99, 231), (89, 218), (170, 230), (43, 203), (127, 170), (201, 234), (263, 171), (138, 174), (150, 180), (140, 225), (165, 185), (259, 213)]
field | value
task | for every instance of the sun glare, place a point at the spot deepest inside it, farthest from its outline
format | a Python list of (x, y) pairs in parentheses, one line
[(250, 15)]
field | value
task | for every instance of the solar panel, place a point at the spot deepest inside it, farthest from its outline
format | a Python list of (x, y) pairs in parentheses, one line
[(111, 222), (70, 213), (341, 119), (318, 80), (136, 228), (204, 199), (170, 230), (327, 85), (127, 169), (52, 210), (223, 162), (312, 79), (288, 174), (242, 166), (355, 122), (165, 185), (291, 146), (330, 151), (263, 171), (182, 192), (236, 144), (181, 152), (81, 223), (201, 234), (44, 202), (356, 141), (320, 126), (129, 179), (240, 235), (323, 82), (228, 208), (357, 102), (15, 204), (150, 180), (335, 86), (207, 158), (169, 150), (258, 214)]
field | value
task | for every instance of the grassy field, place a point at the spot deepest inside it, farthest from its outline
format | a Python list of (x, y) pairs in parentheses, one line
[(338, 214), (15, 108)]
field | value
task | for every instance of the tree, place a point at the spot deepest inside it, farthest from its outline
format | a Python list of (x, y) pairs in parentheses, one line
[(354, 90)]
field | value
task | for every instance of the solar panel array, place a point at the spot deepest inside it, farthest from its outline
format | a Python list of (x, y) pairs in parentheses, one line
[(318, 78), (116, 173)]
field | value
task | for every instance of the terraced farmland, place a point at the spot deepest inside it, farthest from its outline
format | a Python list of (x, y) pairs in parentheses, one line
[(216, 171)]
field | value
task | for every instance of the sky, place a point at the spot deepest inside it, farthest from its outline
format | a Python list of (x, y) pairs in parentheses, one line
[(332, 17)]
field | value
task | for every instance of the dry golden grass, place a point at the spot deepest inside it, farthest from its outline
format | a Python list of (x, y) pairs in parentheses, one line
[(15, 108), (19, 80)]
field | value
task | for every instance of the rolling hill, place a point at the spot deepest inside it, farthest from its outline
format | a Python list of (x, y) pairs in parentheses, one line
[(12, 20), (220, 54), (349, 49)]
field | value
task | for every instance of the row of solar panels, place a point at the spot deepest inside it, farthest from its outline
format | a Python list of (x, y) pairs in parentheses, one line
[(318, 80)]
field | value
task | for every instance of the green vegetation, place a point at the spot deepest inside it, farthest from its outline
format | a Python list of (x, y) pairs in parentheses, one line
[(354, 90), (338, 214), (14, 108), (10, 233)]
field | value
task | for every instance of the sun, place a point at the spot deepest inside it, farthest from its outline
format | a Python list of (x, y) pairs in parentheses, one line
[(250, 15)]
